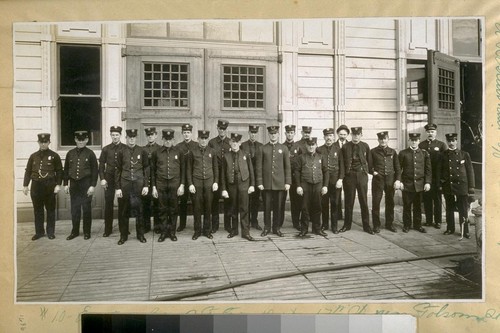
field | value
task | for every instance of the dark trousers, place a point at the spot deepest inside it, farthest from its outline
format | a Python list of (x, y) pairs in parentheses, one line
[(151, 210), (383, 185), (311, 207), (295, 206), (168, 206), (356, 181), (80, 202), (433, 206), (109, 197), (202, 204), (253, 206), (238, 206), (461, 202), (330, 207), (131, 205), (215, 212), (412, 201), (183, 205), (273, 201), (43, 196), (339, 204)]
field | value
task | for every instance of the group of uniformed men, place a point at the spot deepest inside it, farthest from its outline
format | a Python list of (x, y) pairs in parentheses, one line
[(155, 181)]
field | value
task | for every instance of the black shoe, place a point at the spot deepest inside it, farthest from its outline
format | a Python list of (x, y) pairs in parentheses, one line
[(86, 236), (320, 233), (106, 234), (467, 235), (369, 231), (391, 228), (71, 236), (250, 238), (448, 232), (437, 225), (51, 237), (195, 236), (335, 231), (257, 227), (405, 229), (421, 229), (344, 229), (121, 241), (376, 230), (141, 239), (179, 228), (35, 237), (162, 238), (209, 236), (231, 235), (278, 233), (264, 233), (324, 228), (173, 238)]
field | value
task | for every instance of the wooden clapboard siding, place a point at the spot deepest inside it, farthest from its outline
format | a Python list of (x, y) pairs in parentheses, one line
[(370, 38), (314, 86)]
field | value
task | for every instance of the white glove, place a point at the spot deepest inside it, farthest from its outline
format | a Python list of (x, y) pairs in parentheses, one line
[(104, 184), (192, 189), (119, 193), (155, 192), (215, 187), (427, 187), (225, 194), (180, 190), (66, 189), (287, 187), (25, 190), (397, 185), (261, 187), (251, 189), (324, 190), (145, 190), (90, 191), (300, 191), (57, 189), (339, 183)]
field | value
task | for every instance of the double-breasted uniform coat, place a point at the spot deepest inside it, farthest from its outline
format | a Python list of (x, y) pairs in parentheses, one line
[(221, 147), (151, 203), (251, 147), (185, 148)]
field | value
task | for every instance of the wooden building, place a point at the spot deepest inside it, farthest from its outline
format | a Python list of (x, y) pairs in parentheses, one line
[(390, 74)]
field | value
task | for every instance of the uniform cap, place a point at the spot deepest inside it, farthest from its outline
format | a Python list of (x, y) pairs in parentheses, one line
[(343, 127), (117, 129), (44, 137), (414, 136), (253, 128), (430, 127), (357, 130), (383, 135), (187, 127), (235, 137), (327, 131), (167, 134), (223, 124), (311, 141), (81, 135), (290, 128), (203, 134), (131, 133), (150, 130), (273, 129), (451, 136), (306, 129)]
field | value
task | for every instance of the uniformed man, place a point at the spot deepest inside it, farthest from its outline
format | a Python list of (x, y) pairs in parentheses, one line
[(44, 171), (168, 176), (306, 134), (457, 183), (312, 178), (386, 179), (203, 178), (131, 181), (335, 164), (342, 133), (185, 147), (151, 203), (107, 170), (416, 177), (237, 182), (432, 198), (357, 164), (273, 177), (295, 199), (80, 170), (251, 146), (221, 145)]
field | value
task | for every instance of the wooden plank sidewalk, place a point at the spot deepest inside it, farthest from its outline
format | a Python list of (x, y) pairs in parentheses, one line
[(98, 270)]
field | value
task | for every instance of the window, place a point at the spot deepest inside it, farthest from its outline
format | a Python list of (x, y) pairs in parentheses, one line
[(416, 95), (446, 88), (79, 92), (466, 37), (243, 87), (166, 85)]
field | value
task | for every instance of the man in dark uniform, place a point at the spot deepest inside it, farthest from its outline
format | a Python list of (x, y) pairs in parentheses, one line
[(237, 182), (273, 177), (44, 171), (185, 147), (150, 202), (131, 181), (312, 178), (168, 176), (457, 183), (202, 178), (335, 163), (416, 176), (107, 170), (221, 145), (357, 164), (295, 199), (80, 170), (251, 146), (386, 178), (342, 133), (432, 198), (306, 134)]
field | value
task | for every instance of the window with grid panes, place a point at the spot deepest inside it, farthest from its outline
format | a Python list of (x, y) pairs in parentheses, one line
[(243, 87), (166, 85), (446, 88)]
